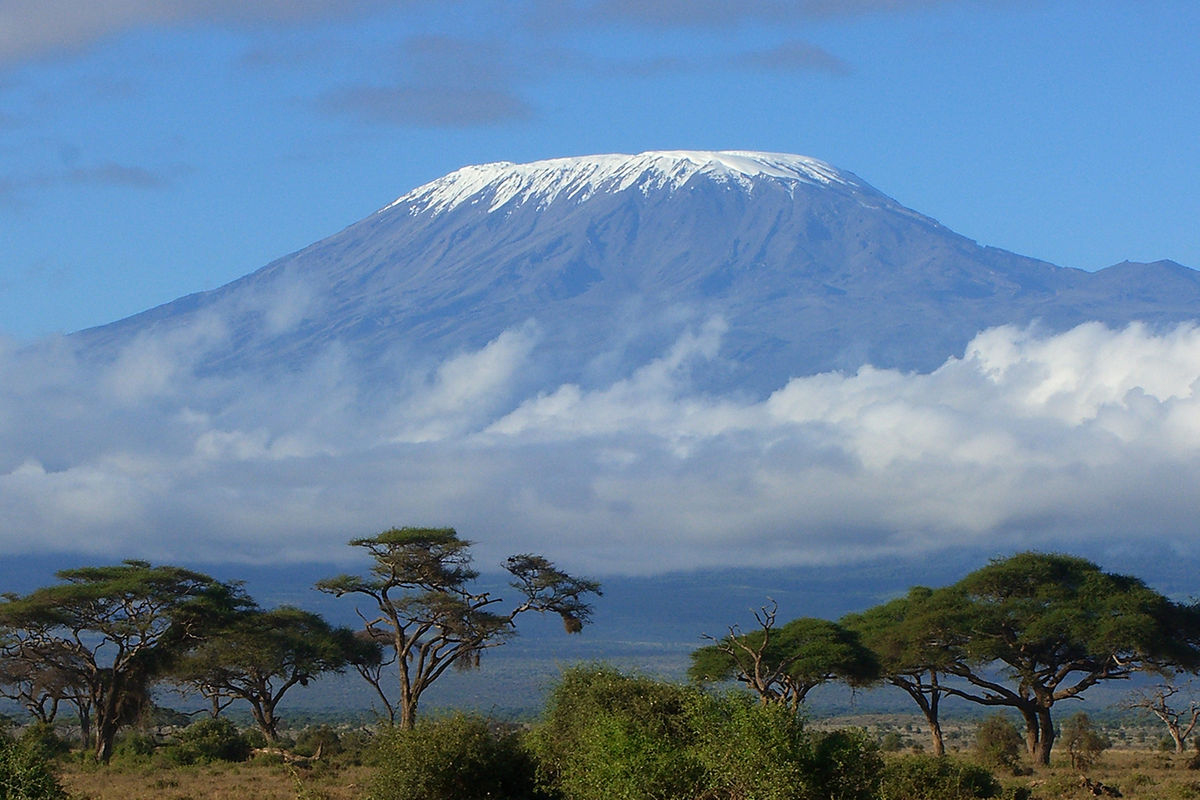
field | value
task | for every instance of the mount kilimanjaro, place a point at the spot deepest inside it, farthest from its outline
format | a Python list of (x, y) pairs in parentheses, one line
[(607, 259)]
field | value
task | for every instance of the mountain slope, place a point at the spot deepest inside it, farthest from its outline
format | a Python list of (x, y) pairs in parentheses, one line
[(609, 258)]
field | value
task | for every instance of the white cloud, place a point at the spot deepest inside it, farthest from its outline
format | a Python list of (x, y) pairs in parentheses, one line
[(1090, 438)]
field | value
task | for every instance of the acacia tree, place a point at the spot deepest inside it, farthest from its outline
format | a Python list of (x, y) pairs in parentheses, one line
[(782, 665), (1180, 720), (1057, 625), (34, 677), (114, 631), (430, 616), (910, 646), (260, 655)]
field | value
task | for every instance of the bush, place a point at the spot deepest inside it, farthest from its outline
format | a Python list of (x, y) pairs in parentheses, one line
[(42, 739), (460, 757), (1084, 743), (845, 765), (211, 739), (133, 747), (750, 750), (24, 775), (998, 743), (608, 735), (318, 738), (932, 778)]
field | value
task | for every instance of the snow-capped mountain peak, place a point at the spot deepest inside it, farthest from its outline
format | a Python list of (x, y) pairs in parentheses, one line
[(543, 182)]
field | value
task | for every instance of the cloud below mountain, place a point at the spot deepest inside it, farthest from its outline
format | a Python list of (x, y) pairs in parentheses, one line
[(1085, 440)]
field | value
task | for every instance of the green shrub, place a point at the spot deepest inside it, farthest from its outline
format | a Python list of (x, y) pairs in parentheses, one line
[(750, 750), (998, 743), (25, 775), (460, 757), (931, 778), (322, 738), (211, 739), (133, 747), (42, 739), (609, 736), (845, 765)]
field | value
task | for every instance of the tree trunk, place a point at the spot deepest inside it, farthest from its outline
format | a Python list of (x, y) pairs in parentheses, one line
[(935, 735), (408, 713), (106, 734), (264, 715), (1032, 732), (1046, 731)]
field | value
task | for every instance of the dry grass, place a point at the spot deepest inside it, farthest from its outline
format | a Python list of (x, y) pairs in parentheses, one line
[(1136, 774), (248, 781)]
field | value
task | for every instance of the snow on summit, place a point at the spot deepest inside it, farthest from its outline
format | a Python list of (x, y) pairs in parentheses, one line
[(542, 182)]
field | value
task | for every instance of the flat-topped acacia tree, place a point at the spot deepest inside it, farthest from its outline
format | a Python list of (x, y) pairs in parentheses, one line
[(1056, 625), (431, 617), (259, 655), (783, 664), (114, 631)]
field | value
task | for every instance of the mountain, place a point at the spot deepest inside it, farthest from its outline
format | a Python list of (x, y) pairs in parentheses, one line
[(607, 259)]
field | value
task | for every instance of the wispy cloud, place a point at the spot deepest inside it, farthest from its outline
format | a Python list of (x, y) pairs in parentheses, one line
[(1088, 439), (37, 28)]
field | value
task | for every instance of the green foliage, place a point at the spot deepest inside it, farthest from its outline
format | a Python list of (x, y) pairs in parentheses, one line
[(1083, 742), (844, 765), (133, 747), (111, 632), (750, 750), (315, 738), (42, 739), (609, 735), (259, 655), (932, 778), (998, 743), (25, 774), (211, 739), (783, 664), (460, 757)]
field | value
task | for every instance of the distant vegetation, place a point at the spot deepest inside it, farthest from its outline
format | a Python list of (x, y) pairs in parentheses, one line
[(1022, 633)]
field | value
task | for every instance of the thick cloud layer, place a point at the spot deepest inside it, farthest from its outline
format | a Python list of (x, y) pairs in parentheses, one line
[(1088, 439)]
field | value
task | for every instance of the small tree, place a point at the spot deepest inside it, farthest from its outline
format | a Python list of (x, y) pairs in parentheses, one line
[(782, 665), (431, 618), (115, 631), (1084, 743), (263, 654), (998, 743), (1180, 720)]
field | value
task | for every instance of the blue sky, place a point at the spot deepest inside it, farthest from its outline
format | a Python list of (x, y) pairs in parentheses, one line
[(153, 148)]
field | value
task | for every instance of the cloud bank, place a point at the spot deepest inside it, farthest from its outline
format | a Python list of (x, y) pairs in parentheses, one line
[(1088, 439)]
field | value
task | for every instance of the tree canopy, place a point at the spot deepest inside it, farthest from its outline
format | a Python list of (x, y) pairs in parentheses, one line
[(260, 655), (430, 616), (1057, 625), (783, 664), (113, 631)]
